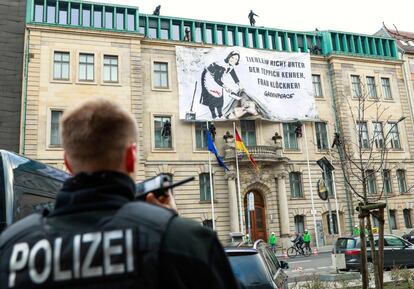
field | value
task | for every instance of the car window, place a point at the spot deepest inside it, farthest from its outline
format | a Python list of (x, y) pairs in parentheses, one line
[(391, 241), (345, 243), (270, 262), (249, 269)]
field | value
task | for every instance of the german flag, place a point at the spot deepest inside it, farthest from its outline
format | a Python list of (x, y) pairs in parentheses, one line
[(240, 146)]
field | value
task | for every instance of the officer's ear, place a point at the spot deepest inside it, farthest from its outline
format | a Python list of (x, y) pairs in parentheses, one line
[(68, 166), (131, 157)]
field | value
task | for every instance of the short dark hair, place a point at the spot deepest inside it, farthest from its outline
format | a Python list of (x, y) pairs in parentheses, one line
[(226, 60)]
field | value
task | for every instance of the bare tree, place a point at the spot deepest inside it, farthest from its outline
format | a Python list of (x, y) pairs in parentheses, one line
[(363, 157)]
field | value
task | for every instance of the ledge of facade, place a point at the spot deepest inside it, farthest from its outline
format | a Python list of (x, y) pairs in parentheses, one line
[(259, 153)]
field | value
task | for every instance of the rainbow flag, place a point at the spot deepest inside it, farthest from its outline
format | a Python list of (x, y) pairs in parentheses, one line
[(240, 146)]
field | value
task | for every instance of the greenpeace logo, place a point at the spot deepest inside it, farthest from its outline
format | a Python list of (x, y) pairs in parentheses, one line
[(79, 256)]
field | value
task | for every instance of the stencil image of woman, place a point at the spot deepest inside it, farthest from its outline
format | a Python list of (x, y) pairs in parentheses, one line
[(213, 86)]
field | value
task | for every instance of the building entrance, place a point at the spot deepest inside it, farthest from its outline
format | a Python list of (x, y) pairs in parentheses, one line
[(257, 217)]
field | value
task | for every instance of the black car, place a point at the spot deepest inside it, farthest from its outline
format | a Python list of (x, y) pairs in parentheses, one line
[(257, 267), (409, 236), (397, 251)]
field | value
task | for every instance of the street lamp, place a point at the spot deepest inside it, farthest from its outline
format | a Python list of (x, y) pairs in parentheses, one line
[(386, 191)]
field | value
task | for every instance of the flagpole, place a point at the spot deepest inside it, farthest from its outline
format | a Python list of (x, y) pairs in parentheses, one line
[(310, 186), (211, 188), (238, 183)]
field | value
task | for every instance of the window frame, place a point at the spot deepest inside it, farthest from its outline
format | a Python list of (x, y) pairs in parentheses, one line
[(61, 62), (379, 138), (362, 133), (204, 195), (298, 182), (334, 224), (289, 134), (317, 86), (110, 65), (393, 219), (299, 226), (386, 88), (200, 134), (50, 144), (248, 132), (356, 88), (321, 144), (371, 182), (167, 72), (153, 133), (79, 79), (394, 135), (371, 87), (407, 218), (401, 180), (387, 180)]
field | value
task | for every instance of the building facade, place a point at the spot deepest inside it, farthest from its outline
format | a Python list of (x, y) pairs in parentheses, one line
[(83, 50), (12, 20)]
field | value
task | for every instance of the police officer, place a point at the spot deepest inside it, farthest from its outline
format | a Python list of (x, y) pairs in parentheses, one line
[(97, 237)]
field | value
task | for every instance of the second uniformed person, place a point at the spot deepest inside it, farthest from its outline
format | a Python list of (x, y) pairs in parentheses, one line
[(97, 236)]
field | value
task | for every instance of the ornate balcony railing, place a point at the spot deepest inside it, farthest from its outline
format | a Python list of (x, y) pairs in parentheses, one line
[(259, 153)]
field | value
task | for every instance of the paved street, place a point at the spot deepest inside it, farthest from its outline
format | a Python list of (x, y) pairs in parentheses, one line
[(302, 266)]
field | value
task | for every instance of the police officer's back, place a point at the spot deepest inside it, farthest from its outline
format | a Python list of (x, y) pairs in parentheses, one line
[(97, 237)]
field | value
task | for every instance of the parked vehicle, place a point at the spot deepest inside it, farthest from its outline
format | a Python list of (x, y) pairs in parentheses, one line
[(256, 266), (26, 186), (397, 251), (409, 236)]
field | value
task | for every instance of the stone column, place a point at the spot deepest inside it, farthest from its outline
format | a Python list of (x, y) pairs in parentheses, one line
[(234, 209), (283, 205)]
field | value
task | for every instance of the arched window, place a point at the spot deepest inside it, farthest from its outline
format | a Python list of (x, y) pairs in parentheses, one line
[(299, 223)]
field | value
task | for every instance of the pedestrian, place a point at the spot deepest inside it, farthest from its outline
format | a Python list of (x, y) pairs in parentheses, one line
[(273, 241), (251, 18), (157, 11), (357, 232), (307, 239), (98, 236), (187, 34)]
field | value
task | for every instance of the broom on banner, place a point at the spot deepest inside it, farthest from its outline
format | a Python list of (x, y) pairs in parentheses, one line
[(191, 115)]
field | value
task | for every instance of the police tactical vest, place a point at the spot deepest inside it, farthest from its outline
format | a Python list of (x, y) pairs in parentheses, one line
[(100, 249)]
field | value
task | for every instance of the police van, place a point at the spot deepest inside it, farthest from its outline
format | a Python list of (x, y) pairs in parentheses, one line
[(26, 186)]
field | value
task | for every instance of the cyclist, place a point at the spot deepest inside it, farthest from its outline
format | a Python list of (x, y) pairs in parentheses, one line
[(298, 242), (307, 239)]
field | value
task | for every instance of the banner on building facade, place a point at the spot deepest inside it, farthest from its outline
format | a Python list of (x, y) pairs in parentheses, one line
[(230, 83)]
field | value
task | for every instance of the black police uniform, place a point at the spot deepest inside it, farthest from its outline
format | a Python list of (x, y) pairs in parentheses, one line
[(98, 238)]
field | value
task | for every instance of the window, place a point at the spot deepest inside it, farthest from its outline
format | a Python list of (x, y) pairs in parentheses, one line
[(356, 85), (299, 223), (162, 132), (407, 218), (371, 182), (205, 193), (321, 135), (201, 135), (289, 136), (393, 219), (375, 220), (86, 16), (38, 11), (86, 67), (295, 179), (371, 87), (386, 88), (97, 18), (109, 19), (120, 20), (362, 130), (394, 135), (61, 65), (110, 68), (208, 223), (131, 21), (74, 11), (334, 223), (51, 13), (63, 13), (248, 132), (317, 87), (402, 186), (386, 176), (55, 127), (378, 135), (161, 75)]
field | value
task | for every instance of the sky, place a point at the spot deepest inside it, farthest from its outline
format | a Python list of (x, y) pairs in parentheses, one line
[(358, 16)]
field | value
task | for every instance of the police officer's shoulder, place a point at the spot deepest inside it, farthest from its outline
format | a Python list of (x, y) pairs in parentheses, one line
[(23, 226), (187, 237)]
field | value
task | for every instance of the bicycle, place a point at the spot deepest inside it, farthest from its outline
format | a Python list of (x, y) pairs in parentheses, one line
[(293, 251)]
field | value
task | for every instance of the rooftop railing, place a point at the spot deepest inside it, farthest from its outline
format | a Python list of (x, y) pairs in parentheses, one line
[(119, 18)]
